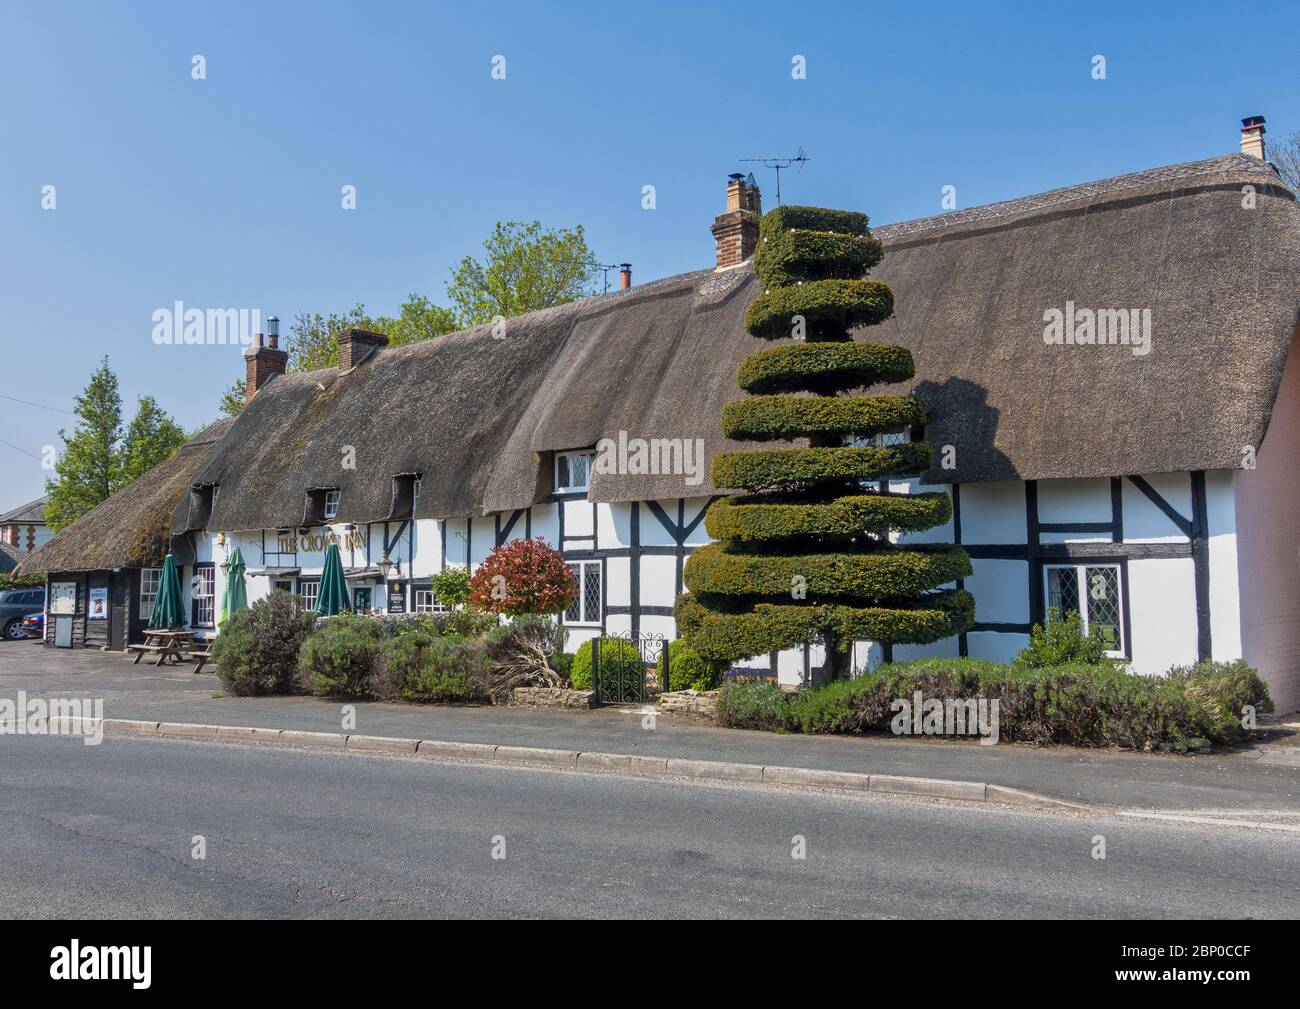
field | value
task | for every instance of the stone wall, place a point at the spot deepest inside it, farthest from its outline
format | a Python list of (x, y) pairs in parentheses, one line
[(551, 697), (692, 703)]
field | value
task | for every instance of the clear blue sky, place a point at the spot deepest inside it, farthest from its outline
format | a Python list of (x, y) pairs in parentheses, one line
[(225, 191)]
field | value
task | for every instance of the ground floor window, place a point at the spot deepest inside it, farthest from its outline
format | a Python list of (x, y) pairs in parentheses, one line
[(149, 579), (586, 606), (1094, 592), (203, 596), (426, 601), (307, 588)]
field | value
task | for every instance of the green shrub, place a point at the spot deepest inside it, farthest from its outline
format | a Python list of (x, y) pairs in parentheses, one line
[(257, 649), (342, 656), (752, 704), (562, 663), (451, 587), (1060, 642), (799, 254), (404, 654), (1079, 704), (840, 222), (762, 418), (761, 469), (757, 519), (883, 573), (614, 654), (466, 622), (830, 308), (687, 671), (450, 669), (823, 367)]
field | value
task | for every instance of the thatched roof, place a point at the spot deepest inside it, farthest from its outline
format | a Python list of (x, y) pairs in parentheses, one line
[(133, 527), (476, 413), (1222, 283)]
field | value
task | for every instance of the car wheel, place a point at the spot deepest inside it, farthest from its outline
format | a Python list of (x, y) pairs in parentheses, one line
[(14, 630)]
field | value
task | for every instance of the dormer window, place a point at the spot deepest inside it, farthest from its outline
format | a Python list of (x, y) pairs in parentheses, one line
[(572, 472), (331, 505)]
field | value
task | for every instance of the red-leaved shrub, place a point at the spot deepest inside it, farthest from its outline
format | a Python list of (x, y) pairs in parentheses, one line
[(522, 576)]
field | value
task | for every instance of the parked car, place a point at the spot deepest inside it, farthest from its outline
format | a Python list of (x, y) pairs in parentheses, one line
[(15, 604), (34, 625)]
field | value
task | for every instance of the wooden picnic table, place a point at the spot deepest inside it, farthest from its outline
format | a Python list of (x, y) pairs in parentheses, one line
[(164, 644)]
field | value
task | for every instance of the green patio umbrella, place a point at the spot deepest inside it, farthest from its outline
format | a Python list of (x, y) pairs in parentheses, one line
[(168, 608), (333, 593), (235, 598)]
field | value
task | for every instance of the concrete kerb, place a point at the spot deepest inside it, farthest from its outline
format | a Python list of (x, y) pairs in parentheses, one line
[(716, 770)]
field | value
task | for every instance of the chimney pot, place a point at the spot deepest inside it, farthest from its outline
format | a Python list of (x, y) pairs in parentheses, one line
[(262, 362), (736, 230), (624, 276), (1252, 136)]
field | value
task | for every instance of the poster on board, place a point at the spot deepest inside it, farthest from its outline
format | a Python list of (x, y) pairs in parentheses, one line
[(98, 609)]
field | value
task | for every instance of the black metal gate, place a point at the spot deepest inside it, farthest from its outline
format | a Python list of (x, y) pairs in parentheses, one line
[(619, 663)]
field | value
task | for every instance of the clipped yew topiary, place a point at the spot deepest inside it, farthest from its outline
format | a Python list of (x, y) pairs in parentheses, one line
[(805, 554)]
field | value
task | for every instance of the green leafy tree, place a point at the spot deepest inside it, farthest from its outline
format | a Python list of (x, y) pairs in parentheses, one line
[(152, 437), (312, 338), (524, 267), (805, 553), (232, 400), (87, 470), (99, 458)]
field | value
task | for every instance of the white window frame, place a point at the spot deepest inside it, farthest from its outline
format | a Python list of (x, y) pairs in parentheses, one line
[(206, 596), (1082, 570), (150, 580), (584, 617), (309, 601), (332, 504), (566, 486), (423, 600)]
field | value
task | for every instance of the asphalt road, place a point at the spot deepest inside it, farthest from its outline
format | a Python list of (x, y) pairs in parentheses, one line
[(108, 831)]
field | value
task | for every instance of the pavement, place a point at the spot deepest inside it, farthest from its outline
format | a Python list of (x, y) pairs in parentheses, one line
[(112, 831), (1260, 783)]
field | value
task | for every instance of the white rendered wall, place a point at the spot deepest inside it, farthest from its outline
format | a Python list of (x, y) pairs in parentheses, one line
[(1268, 548)]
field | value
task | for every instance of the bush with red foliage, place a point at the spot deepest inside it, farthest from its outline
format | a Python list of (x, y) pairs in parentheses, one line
[(522, 576)]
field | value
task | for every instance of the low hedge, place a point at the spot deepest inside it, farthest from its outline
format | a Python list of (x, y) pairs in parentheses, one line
[(1079, 704), (798, 254), (342, 657), (447, 669), (721, 636), (752, 520), (842, 222), (823, 367), (257, 649), (884, 573), (686, 670), (761, 469), (763, 418), (613, 654), (830, 308)]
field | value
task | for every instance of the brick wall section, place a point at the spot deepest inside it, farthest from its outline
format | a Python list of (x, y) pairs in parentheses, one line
[(1268, 541), (354, 344), (261, 364), (736, 235)]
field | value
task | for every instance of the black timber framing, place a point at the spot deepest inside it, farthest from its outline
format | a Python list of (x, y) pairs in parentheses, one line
[(1200, 534), (963, 643)]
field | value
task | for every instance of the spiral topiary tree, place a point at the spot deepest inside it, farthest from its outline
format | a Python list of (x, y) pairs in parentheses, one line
[(805, 554)]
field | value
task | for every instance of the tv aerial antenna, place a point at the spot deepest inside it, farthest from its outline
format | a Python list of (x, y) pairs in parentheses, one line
[(779, 161)]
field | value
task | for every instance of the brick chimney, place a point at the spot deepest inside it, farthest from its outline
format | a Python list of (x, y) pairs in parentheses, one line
[(355, 344), (1252, 136), (624, 276), (736, 231), (264, 359)]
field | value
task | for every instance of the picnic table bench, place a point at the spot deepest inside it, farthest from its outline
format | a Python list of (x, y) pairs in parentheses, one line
[(164, 644)]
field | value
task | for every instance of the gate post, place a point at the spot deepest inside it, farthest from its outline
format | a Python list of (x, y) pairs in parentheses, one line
[(595, 667), (664, 687)]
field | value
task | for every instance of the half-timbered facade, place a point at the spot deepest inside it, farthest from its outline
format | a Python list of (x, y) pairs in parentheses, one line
[(1144, 478)]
